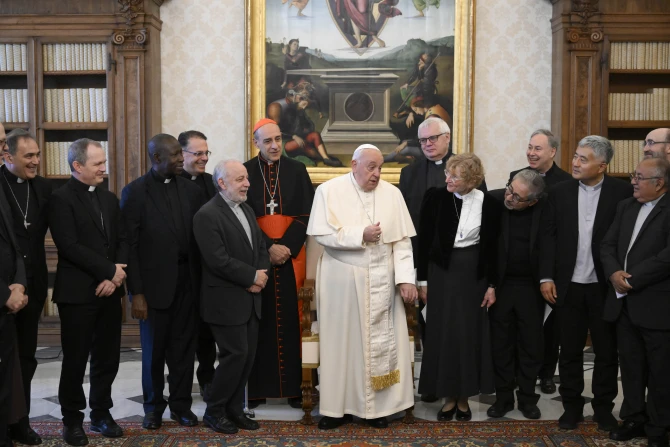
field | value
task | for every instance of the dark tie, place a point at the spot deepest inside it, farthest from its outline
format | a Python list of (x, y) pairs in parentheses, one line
[(96, 206)]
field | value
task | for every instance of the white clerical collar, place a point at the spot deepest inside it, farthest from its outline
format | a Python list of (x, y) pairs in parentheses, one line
[(19, 180), (438, 162), (167, 180), (193, 177), (468, 196), (594, 187), (91, 188)]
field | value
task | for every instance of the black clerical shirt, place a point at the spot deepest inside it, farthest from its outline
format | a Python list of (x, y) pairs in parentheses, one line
[(518, 253), (171, 195)]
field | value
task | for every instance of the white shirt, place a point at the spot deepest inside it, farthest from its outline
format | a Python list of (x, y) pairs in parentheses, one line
[(585, 270), (470, 220)]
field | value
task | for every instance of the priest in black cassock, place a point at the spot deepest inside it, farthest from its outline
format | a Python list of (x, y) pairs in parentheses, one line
[(27, 194), (281, 195), (196, 155)]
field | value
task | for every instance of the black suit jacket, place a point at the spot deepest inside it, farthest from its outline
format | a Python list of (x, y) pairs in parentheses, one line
[(439, 224), (87, 252), (503, 239), (648, 263), (31, 239), (553, 176), (209, 188), (413, 185), (154, 245), (229, 263), (560, 231), (12, 270)]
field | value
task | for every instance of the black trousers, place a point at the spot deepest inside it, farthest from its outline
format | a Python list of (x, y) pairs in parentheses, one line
[(168, 336), (7, 357), (206, 353), (237, 350), (551, 346), (27, 320), (91, 328), (580, 313), (645, 369), (519, 305)]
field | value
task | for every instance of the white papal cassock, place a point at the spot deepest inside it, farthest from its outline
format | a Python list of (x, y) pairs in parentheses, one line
[(364, 349)]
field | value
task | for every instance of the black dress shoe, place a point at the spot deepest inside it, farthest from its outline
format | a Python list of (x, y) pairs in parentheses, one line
[(295, 402), (256, 402), (446, 415), (22, 433), (658, 441), (152, 421), (107, 427), (429, 398), (547, 386), (499, 409), (463, 416), (329, 423), (243, 422), (378, 423), (530, 411), (75, 435), (628, 430), (219, 424), (605, 421), (186, 418), (569, 420)]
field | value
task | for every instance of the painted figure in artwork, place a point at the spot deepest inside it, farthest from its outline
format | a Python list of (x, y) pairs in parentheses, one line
[(362, 18), (422, 5)]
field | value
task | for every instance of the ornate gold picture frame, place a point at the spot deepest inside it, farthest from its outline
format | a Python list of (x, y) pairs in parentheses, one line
[(345, 101)]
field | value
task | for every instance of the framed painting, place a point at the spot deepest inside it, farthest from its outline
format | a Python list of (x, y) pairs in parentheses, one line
[(335, 74)]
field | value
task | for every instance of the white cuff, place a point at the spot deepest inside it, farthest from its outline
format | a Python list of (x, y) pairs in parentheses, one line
[(546, 280), (422, 283)]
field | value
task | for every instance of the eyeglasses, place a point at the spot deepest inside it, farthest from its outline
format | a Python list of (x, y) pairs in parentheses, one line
[(452, 176), (516, 198), (199, 154), (646, 143), (432, 138), (638, 178)]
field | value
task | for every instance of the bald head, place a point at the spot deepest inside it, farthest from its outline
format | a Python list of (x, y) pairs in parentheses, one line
[(166, 155), (657, 144)]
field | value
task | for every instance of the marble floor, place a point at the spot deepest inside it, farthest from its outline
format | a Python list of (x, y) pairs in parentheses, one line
[(127, 394)]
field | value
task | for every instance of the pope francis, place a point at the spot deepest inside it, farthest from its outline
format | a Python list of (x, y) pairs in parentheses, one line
[(365, 272)]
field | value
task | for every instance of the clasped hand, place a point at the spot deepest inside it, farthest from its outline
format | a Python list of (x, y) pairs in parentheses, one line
[(279, 254), (17, 298), (618, 280), (261, 280), (372, 233)]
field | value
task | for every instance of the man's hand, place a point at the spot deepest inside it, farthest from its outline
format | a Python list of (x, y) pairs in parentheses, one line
[(105, 288), (261, 278), (299, 140), (423, 293), (372, 233), (139, 308), (119, 275), (17, 298), (618, 280), (408, 292), (254, 289), (489, 297), (548, 290), (279, 254), (410, 120)]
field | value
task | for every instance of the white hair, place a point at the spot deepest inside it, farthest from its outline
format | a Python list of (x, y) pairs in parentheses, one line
[(363, 147), (442, 124), (221, 171)]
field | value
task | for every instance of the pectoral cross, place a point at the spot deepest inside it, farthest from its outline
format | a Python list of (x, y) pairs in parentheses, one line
[(272, 205), (26, 224)]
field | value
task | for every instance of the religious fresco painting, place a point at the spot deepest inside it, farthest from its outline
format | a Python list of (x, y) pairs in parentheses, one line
[(339, 73)]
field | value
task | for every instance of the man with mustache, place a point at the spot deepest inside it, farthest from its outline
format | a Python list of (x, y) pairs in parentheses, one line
[(196, 155), (164, 278), (235, 261), (281, 195), (28, 196), (519, 302), (574, 222), (657, 143), (540, 154)]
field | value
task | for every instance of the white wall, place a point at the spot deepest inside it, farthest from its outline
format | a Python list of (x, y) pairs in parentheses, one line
[(202, 45)]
